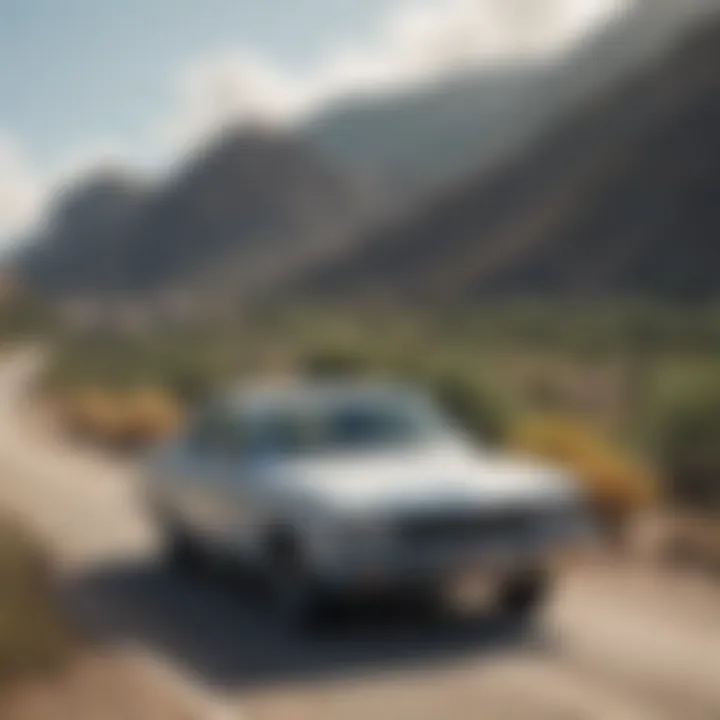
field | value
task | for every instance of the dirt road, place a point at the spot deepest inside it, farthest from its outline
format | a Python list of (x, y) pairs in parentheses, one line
[(617, 643)]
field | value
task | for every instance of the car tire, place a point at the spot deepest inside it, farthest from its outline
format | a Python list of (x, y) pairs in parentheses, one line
[(182, 552), (524, 596), (296, 600)]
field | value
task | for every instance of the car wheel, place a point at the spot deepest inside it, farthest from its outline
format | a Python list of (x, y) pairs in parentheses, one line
[(523, 597), (182, 552), (295, 599)]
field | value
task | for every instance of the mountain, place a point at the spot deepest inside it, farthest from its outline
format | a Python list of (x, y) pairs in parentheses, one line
[(255, 210), (82, 243), (622, 198), (436, 133), (250, 207)]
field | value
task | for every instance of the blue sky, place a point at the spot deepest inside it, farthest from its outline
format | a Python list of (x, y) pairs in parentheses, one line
[(139, 81), (76, 69)]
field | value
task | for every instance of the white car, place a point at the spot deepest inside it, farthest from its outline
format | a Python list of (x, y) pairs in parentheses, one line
[(359, 489)]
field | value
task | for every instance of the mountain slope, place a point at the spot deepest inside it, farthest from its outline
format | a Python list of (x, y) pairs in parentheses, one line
[(434, 134), (249, 208), (623, 198), (256, 210), (82, 245)]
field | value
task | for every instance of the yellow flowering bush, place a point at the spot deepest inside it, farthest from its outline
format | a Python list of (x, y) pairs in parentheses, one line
[(617, 484)]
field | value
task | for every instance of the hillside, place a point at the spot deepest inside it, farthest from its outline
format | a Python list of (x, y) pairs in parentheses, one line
[(527, 194), (622, 198), (428, 136), (249, 208), (82, 244)]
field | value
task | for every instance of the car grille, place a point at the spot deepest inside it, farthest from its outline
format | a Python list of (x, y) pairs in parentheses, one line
[(469, 528)]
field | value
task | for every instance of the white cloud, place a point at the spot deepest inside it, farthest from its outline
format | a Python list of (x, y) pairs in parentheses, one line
[(21, 190), (232, 87), (419, 41)]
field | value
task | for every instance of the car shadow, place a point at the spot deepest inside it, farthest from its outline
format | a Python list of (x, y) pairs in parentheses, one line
[(218, 631)]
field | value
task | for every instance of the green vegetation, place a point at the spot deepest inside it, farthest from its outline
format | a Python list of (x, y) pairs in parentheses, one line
[(637, 375), (22, 315), (34, 636), (686, 431)]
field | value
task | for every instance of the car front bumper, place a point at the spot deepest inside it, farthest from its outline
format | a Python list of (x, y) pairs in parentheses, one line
[(400, 570)]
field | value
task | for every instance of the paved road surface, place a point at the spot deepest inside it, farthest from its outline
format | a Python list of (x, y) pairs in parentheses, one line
[(618, 643)]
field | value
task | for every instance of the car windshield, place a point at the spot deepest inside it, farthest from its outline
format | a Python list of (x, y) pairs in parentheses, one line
[(342, 426)]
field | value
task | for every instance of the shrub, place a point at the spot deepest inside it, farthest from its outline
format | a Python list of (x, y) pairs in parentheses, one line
[(617, 485), (473, 405), (33, 634), (92, 413), (149, 416), (122, 419), (334, 362), (686, 435), (190, 385)]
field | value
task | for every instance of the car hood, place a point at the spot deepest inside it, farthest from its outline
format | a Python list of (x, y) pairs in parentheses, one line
[(439, 477)]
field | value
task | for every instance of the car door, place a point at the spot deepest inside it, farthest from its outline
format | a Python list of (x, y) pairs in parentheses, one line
[(241, 500), (221, 473), (197, 470)]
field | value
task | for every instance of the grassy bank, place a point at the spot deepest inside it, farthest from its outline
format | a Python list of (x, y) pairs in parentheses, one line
[(35, 636)]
